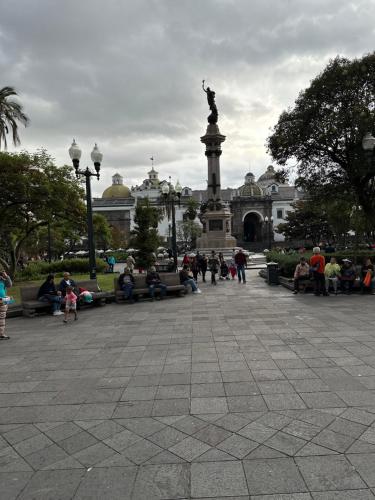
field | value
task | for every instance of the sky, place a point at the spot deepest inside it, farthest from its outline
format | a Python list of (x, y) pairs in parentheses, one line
[(127, 74)]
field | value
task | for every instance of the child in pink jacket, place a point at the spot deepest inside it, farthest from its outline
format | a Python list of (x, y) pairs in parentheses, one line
[(70, 304)]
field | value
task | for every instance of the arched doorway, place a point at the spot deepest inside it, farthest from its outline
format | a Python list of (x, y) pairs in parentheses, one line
[(251, 228)]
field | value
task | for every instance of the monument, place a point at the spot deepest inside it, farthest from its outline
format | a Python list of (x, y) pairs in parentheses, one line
[(215, 215)]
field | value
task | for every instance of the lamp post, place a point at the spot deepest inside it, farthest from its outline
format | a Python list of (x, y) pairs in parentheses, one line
[(269, 222), (172, 195), (96, 157)]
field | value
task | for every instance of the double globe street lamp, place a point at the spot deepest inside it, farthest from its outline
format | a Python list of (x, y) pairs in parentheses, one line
[(171, 196), (96, 157), (269, 222)]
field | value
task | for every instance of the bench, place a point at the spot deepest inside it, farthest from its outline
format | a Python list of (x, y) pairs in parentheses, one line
[(308, 284), (31, 305), (172, 280)]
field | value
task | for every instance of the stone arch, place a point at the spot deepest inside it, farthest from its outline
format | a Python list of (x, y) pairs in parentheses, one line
[(252, 227), (253, 212)]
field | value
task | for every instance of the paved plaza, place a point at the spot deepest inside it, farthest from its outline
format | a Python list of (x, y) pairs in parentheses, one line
[(242, 392)]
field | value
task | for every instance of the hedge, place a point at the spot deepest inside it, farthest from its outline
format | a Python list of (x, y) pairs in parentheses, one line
[(35, 270), (287, 262)]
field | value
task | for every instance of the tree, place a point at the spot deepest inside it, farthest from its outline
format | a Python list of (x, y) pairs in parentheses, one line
[(188, 231), (145, 237), (35, 193), (11, 112), (307, 221), (323, 133), (330, 220), (102, 232), (118, 238), (192, 209)]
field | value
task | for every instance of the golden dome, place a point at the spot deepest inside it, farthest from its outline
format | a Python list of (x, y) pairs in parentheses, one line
[(117, 190), (250, 189)]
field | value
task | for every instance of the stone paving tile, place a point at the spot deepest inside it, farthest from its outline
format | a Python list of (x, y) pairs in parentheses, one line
[(332, 472), (285, 443), (212, 434), (238, 446), (107, 484), (162, 481), (45, 485), (215, 479), (277, 475), (13, 483), (167, 437)]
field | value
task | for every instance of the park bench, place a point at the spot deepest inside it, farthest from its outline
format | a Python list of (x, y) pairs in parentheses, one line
[(31, 305), (140, 289)]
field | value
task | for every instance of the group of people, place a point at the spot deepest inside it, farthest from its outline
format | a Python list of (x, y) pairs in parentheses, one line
[(217, 265), (332, 275), (67, 293), (192, 267)]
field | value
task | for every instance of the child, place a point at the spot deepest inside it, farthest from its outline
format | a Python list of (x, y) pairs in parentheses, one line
[(70, 304)]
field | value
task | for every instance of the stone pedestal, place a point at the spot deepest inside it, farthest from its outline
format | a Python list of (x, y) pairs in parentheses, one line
[(216, 217)]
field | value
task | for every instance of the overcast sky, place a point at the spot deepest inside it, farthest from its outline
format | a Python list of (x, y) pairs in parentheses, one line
[(127, 74)]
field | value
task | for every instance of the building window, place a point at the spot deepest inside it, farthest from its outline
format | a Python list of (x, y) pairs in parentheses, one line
[(274, 188), (279, 213)]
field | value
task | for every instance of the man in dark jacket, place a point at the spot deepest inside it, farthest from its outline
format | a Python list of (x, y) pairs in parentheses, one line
[(48, 293), (153, 281), (67, 281), (240, 260)]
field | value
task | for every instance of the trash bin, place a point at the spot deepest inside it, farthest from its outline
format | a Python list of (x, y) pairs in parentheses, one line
[(272, 273)]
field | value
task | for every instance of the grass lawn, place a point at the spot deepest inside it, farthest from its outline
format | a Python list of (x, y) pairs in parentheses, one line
[(105, 282)]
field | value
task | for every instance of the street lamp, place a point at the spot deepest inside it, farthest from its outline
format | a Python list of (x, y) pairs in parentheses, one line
[(96, 157), (172, 195), (269, 222)]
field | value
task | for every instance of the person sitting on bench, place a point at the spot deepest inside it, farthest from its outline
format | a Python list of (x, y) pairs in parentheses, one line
[(126, 283), (187, 280), (153, 281), (301, 273)]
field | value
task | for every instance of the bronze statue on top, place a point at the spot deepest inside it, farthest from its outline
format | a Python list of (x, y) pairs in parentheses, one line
[(212, 118)]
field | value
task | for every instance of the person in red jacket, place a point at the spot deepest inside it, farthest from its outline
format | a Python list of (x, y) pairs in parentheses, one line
[(240, 260), (317, 264)]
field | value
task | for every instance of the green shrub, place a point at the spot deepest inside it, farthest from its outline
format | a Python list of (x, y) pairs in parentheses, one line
[(287, 262), (35, 270)]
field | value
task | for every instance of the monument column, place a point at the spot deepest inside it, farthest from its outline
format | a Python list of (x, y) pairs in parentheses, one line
[(216, 217)]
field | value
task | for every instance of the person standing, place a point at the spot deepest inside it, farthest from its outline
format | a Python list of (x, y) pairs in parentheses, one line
[(194, 266), (111, 263), (203, 266), (240, 260), (130, 263), (213, 266), (70, 304), (5, 282), (317, 264)]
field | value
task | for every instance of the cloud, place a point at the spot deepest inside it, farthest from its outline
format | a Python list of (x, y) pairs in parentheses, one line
[(128, 75)]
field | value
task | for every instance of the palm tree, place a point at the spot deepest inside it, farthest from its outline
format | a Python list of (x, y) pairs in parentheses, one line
[(11, 112)]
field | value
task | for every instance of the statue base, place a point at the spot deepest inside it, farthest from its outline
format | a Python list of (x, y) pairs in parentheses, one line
[(217, 230)]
